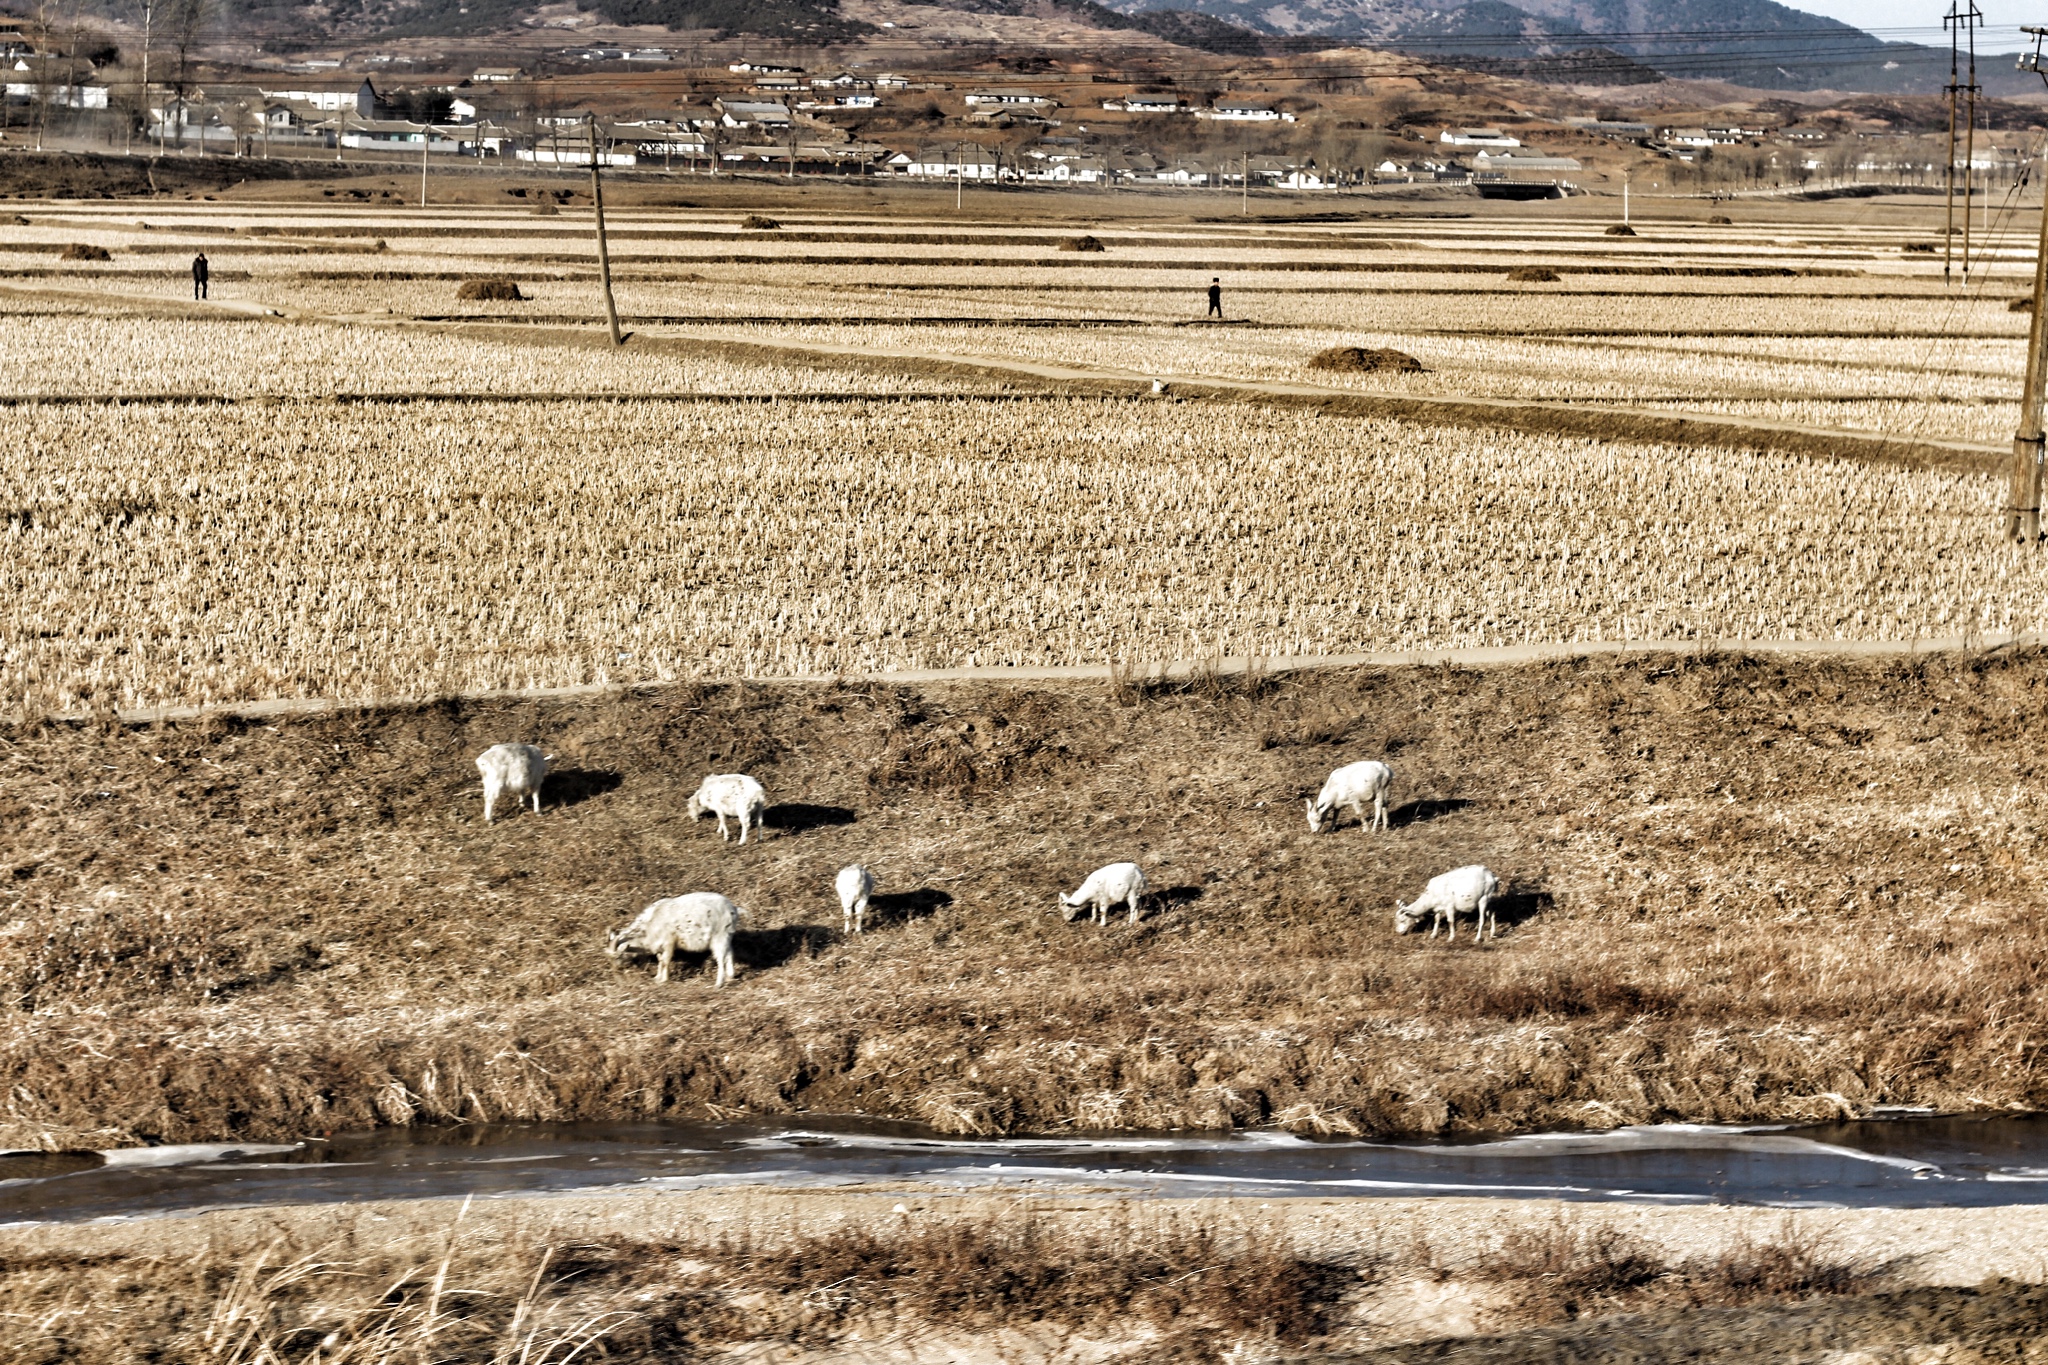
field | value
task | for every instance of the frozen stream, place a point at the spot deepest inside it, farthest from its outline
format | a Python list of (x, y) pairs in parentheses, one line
[(1905, 1162)]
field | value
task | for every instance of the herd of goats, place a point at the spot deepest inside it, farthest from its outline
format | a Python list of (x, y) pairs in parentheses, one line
[(705, 922)]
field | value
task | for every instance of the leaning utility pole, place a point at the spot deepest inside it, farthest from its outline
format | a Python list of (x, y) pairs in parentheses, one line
[(2023, 501), (1962, 22), (604, 255)]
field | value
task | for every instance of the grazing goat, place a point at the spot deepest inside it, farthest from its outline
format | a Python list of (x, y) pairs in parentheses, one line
[(514, 770), (1355, 785), (854, 884), (700, 922), (733, 794), (1105, 887), (1461, 891)]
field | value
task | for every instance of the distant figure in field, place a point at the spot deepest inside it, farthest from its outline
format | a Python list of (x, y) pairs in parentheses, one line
[(199, 276), (1216, 297)]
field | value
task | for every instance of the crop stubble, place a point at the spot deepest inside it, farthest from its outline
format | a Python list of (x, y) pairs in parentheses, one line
[(163, 553)]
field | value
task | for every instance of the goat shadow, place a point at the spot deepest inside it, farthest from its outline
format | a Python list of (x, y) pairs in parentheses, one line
[(901, 907), (759, 950), (1173, 897), (797, 816), (1513, 909), (574, 786), (1422, 812)]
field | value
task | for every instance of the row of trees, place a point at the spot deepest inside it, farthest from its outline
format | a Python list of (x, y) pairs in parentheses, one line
[(67, 43)]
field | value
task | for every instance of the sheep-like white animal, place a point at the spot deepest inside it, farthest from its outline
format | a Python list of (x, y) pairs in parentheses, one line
[(1105, 887), (700, 922), (1461, 891), (514, 770), (733, 794), (1356, 785), (854, 885)]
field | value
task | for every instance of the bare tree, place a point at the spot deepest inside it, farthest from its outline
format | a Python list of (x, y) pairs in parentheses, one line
[(186, 22), (54, 78)]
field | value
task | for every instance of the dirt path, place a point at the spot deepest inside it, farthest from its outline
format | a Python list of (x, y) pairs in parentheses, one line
[(1598, 420)]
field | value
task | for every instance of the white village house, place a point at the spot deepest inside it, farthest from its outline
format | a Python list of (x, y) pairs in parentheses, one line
[(64, 83), (1478, 137), (961, 160), (335, 95), (1029, 99), (752, 113), (1244, 111)]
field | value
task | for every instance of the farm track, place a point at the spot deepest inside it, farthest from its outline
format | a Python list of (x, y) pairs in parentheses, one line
[(1602, 420), (1598, 420)]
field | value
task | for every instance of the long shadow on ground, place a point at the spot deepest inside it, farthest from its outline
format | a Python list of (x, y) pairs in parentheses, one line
[(797, 816)]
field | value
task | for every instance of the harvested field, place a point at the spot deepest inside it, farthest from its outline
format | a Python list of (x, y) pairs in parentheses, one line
[(1736, 889), (398, 552)]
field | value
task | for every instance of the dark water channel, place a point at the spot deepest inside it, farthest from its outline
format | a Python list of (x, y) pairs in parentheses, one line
[(1905, 1162)]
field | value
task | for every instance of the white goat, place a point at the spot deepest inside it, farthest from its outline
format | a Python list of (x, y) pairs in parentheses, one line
[(1105, 887), (700, 922), (1461, 891), (733, 794), (1355, 785), (854, 884), (514, 770)]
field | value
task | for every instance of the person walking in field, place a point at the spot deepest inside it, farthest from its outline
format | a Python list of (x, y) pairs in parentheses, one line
[(1216, 297), (199, 276)]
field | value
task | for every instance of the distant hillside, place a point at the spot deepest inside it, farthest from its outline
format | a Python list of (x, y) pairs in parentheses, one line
[(1749, 42), (317, 20)]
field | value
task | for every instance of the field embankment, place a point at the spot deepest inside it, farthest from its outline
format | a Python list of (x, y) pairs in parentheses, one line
[(901, 1273), (1736, 890)]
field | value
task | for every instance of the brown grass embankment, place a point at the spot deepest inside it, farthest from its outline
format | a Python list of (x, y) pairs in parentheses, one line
[(1735, 890)]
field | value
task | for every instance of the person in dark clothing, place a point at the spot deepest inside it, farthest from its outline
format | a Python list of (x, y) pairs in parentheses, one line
[(199, 276), (1216, 297)]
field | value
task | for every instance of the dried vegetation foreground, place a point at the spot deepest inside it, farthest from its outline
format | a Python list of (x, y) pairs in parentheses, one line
[(1736, 890), (849, 1281)]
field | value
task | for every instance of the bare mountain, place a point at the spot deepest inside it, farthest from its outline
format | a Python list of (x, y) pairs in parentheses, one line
[(1748, 42)]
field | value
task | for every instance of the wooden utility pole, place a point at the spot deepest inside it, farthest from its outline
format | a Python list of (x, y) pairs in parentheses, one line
[(1962, 22), (604, 254), (426, 141), (1244, 183), (2023, 503), (2023, 499)]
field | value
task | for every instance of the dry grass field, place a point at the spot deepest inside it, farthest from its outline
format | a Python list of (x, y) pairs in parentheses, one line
[(1736, 891), (885, 438)]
